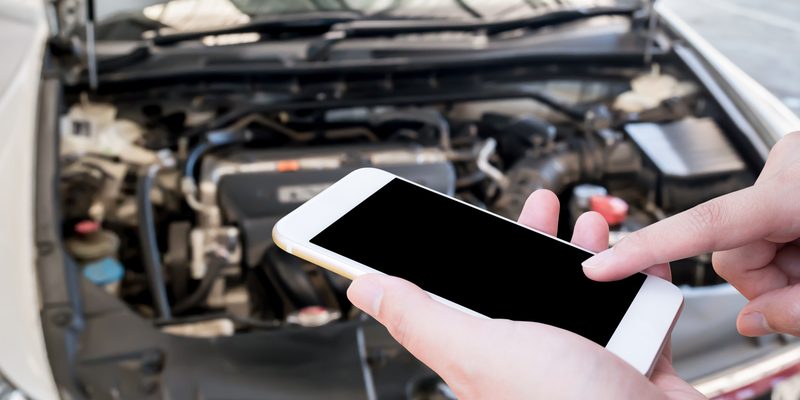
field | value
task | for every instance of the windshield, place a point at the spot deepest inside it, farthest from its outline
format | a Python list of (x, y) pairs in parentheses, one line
[(195, 15)]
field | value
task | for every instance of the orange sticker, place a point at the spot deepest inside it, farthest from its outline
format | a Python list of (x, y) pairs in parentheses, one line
[(288, 165)]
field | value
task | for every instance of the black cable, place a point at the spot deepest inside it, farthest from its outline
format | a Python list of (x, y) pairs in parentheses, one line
[(425, 116), (468, 9), (215, 266), (532, 4), (149, 243), (489, 93)]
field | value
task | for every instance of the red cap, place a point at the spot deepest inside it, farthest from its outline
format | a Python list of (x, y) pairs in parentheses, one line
[(612, 208), (86, 227), (313, 310)]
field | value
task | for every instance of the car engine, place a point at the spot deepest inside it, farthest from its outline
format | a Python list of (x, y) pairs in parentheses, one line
[(168, 203)]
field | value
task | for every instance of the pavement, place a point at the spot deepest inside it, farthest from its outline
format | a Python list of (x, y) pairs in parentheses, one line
[(761, 37)]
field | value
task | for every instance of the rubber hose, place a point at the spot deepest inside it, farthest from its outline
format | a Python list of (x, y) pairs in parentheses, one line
[(201, 293), (213, 140), (147, 236)]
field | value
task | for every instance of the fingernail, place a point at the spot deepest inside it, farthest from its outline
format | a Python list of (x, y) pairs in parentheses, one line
[(366, 294), (755, 321), (600, 259)]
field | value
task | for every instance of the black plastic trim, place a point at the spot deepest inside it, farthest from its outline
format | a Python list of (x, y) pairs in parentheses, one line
[(58, 277)]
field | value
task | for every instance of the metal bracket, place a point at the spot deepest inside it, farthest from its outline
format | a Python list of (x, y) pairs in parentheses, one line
[(91, 55), (652, 26)]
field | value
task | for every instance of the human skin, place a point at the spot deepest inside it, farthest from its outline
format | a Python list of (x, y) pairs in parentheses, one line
[(754, 236), (501, 359)]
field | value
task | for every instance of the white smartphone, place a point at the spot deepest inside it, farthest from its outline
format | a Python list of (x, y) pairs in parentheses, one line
[(374, 222)]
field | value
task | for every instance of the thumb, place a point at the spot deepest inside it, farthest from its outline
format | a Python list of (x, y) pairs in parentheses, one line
[(774, 311), (430, 330)]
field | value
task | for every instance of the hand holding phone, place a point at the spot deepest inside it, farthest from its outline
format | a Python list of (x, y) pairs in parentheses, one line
[(372, 221)]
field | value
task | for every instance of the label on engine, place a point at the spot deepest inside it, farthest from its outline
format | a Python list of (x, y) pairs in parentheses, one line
[(300, 193)]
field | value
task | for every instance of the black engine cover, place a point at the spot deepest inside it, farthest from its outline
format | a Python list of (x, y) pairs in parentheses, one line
[(258, 187)]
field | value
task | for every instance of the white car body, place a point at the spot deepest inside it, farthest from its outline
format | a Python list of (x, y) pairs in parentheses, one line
[(23, 359), (23, 34)]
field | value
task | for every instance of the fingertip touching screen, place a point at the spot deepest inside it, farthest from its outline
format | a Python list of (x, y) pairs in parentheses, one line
[(478, 260)]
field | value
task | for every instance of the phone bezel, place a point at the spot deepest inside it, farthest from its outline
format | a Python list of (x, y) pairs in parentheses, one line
[(638, 338)]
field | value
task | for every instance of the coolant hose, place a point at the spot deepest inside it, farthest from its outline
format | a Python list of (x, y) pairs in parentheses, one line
[(213, 140), (148, 239)]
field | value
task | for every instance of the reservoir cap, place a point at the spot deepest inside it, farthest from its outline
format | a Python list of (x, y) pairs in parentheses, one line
[(612, 208), (104, 272)]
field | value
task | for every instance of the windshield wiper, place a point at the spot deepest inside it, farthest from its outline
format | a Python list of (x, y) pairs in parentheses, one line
[(337, 26), (319, 50), (305, 24), (331, 28)]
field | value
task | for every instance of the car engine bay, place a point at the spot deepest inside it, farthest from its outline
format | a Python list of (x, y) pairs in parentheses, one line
[(168, 202)]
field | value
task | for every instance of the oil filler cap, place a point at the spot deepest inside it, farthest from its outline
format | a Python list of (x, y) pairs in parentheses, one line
[(612, 208)]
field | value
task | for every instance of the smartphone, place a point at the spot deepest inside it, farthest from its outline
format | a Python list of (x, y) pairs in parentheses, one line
[(468, 258)]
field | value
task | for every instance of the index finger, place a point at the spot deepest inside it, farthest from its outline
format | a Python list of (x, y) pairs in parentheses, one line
[(723, 223)]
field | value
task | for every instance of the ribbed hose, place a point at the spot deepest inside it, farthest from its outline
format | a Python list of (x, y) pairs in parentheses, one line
[(147, 236)]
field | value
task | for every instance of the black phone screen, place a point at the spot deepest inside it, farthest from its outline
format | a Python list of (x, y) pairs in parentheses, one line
[(480, 261)]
